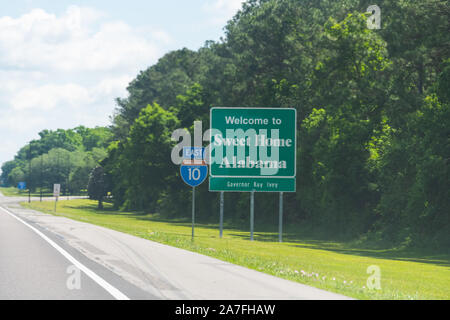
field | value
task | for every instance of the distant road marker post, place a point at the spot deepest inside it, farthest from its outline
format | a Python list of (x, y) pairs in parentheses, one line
[(56, 192), (194, 171)]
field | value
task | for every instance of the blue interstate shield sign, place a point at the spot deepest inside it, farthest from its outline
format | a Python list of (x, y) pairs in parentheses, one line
[(194, 174)]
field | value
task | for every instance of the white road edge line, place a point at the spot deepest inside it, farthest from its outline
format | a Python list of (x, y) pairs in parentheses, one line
[(99, 280)]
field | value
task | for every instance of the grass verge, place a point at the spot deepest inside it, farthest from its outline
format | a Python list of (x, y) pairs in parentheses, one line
[(15, 192), (331, 266)]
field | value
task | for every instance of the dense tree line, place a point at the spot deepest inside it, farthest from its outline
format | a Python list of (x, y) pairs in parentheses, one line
[(373, 111), (66, 157), (373, 117)]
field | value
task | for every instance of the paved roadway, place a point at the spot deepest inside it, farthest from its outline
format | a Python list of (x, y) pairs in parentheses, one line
[(40, 254)]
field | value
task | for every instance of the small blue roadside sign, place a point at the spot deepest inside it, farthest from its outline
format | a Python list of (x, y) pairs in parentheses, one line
[(22, 185), (194, 170)]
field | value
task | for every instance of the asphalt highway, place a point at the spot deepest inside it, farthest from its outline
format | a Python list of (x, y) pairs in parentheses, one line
[(36, 265)]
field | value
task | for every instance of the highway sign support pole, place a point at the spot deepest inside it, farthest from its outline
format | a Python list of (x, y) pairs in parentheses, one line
[(221, 213), (193, 211), (252, 214), (193, 171), (56, 192), (29, 176), (280, 226)]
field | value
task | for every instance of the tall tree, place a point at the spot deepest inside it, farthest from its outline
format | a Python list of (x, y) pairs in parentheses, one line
[(98, 185)]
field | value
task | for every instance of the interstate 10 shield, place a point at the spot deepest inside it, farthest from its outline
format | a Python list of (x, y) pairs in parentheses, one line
[(193, 172)]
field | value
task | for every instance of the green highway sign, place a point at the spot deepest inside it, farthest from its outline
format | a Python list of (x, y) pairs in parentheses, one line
[(253, 149)]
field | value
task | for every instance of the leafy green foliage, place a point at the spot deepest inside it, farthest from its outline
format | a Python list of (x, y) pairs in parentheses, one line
[(372, 108), (373, 118), (141, 165), (62, 156), (98, 185)]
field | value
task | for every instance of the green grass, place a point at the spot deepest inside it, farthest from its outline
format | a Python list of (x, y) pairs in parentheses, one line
[(340, 267), (15, 192)]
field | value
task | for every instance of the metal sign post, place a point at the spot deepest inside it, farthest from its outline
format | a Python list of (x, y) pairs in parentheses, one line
[(193, 171), (29, 177), (193, 212), (221, 214), (280, 222), (40, 189), (252, 214), (56, 192)]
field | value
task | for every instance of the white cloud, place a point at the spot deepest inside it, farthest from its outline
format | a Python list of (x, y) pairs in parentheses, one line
[(60, 71), (222, 10), (73, 42), (116, 85), (225, 6), (48, 97), (17, 123)]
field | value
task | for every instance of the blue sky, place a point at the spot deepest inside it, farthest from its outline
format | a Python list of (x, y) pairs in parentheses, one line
[(62, 63)]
